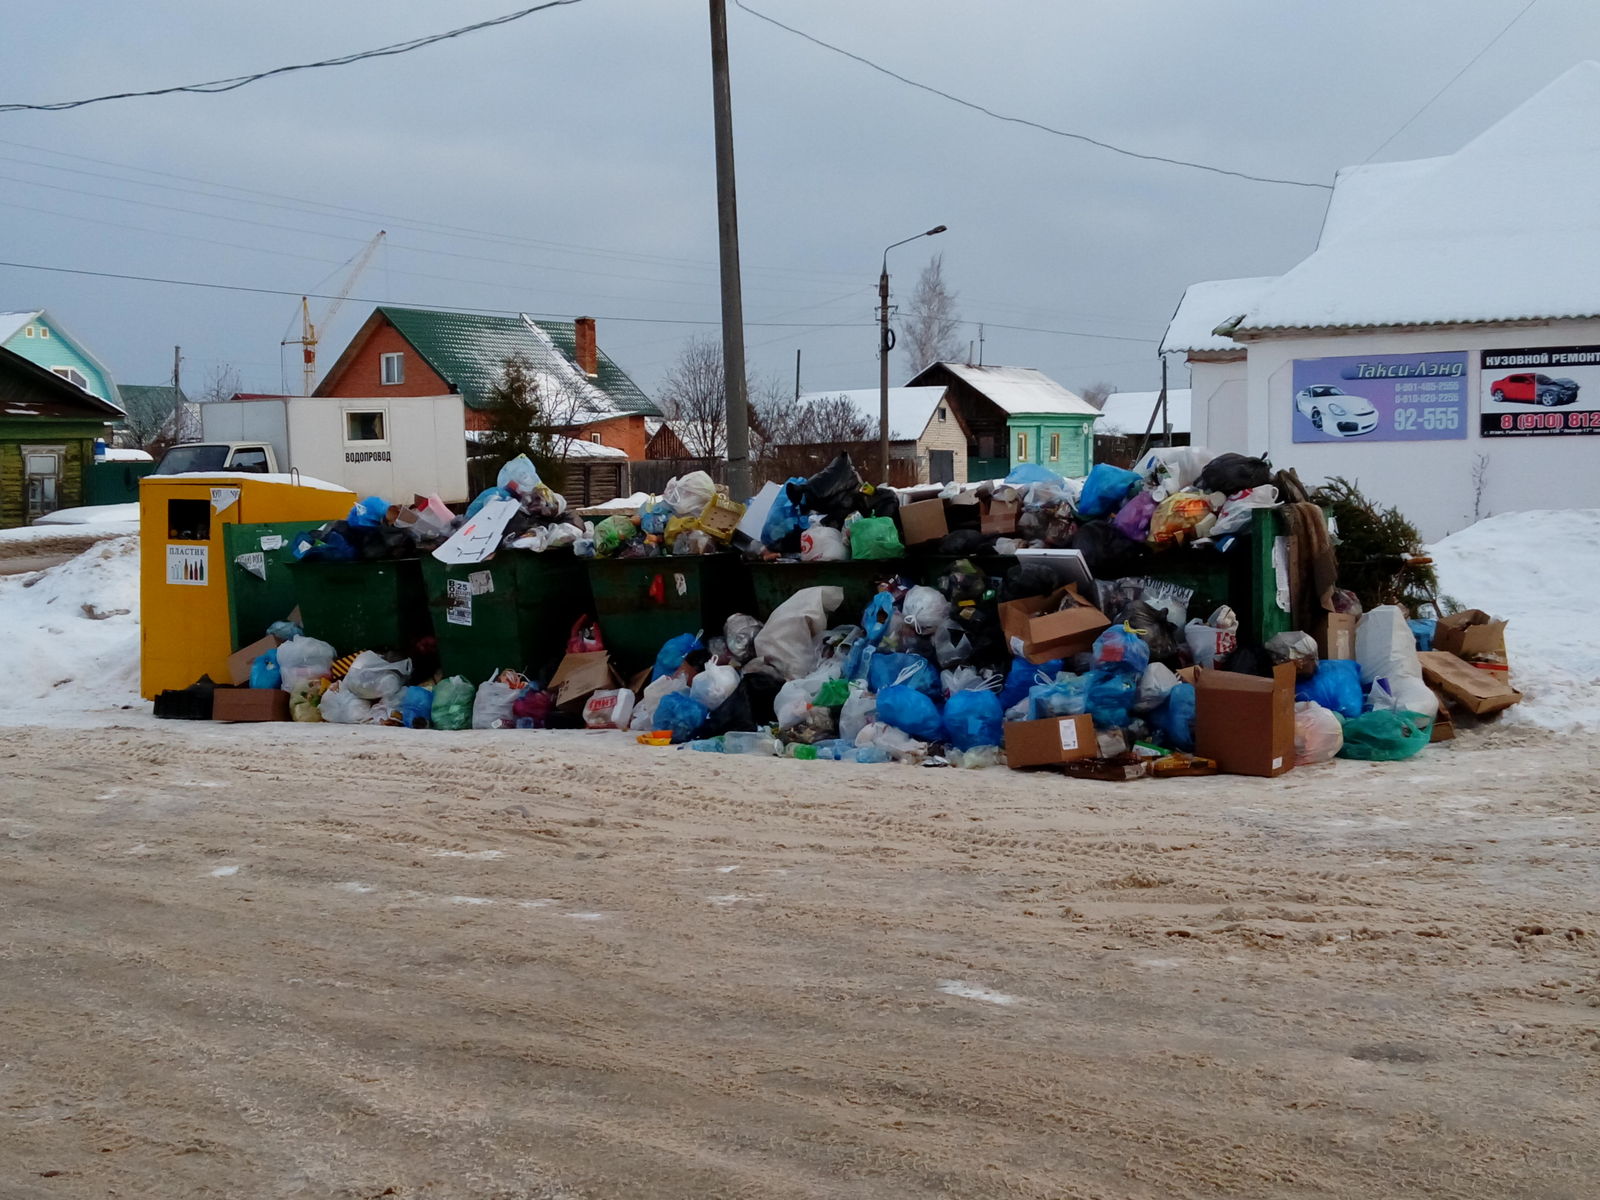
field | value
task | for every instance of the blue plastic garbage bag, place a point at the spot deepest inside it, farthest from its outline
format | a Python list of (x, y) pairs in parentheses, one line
[(1105, 489), (875, 617), (1111, 695), (1025, 473), (328, 547), (264, 672), (416, 707), (972, 718), (1174, 719), (488, 494), (783, 518), (671, 656), (369, 513), (1335, 686), (680, 714), (1423, 631), (519, 473), (1120, 649), (910, 711), (1022, 676), (885, 670), (1064, 695), (653, 518), (285, 631), (862, 652)]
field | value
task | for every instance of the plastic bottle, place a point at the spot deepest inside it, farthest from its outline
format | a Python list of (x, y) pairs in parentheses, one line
[(871, 754), (707, 745), (835, 749), (803, 752), (977, 758), (739, 741)]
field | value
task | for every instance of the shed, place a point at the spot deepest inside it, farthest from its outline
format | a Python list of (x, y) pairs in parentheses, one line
[(1014, 415)]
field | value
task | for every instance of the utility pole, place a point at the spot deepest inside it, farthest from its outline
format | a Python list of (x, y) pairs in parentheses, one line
[(885, 344), (177, 359), (797, 375), (733, 374)]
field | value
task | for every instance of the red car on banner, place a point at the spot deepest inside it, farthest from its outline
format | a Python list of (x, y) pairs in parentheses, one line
[(1531, 388)]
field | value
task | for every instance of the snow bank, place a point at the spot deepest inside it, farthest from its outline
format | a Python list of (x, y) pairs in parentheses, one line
[(1540, 571), (95, 514), (71, 634)]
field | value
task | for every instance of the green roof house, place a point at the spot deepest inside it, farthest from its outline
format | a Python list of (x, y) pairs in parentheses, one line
[(1015, 415)]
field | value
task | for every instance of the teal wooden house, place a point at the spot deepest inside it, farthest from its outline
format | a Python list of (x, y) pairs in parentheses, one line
[(1016, 415), (38, 337)]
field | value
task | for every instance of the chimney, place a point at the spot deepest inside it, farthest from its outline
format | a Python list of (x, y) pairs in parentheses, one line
[(584, 351)]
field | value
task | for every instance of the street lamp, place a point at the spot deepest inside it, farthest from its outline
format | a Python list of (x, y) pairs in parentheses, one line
[(886, 344)]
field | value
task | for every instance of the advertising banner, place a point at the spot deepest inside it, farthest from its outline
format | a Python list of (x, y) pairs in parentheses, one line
[(1381, 398), (1539, 392)]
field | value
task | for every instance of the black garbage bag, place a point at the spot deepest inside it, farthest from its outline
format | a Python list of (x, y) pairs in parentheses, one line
[(831, 491), (1102, 544), (878, 502), (1153, 627), (192, 703), (965, 541), (1031, 525), (733, 713), (1028, 579), (1233, 473), (761, 681)]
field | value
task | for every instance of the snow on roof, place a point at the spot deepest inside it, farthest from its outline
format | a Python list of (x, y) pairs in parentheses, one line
[(1505, 229), (582, 448), (322, 485), (94, 514), (910, 408), (1205, 306), (1361, 191), (1129, 412), (10, 322), (119, 454), (1021, 389)]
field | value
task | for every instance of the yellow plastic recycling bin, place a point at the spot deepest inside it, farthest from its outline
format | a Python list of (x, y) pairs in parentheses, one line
[(184, 628)]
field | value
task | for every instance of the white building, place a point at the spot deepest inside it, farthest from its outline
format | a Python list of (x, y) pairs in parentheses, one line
[(1132, 414), (1441, 345)]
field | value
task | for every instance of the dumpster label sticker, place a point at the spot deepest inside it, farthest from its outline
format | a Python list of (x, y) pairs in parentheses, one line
[(482, 583), (272, 541), (255, 563), (222, 499), (1069, 733), (682, 584), (187, 565), (459, 594), (480, 537)]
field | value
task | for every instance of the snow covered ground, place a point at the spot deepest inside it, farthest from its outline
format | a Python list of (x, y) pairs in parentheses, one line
[(1540, 571), (95, 514)]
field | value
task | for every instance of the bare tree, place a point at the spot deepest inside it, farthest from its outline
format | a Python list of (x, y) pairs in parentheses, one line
[(930, 321), (147, 413), (183, 422), (693, 398), (1480, 484), (1096, 393)]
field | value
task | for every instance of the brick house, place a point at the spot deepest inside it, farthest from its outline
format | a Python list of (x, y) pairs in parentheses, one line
[(426, 352)]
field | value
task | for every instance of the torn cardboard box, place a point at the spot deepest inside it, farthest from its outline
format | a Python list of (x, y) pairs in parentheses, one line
[(999, 516), (923, 521), (1478, 691), (1246, 722), (580, 676), (1473, 635), (1336, 635), (1050, 742), (239, 662), (1039, 629)]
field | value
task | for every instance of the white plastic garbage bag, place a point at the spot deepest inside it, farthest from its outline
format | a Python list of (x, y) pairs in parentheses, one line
[(372, 677), (794, 698), (303, 659), (925, 609), (1386, 649), (789, 639), (610, 709), (1318, 735), (493, 703), (689, 494), (858, 712), (1213, 638), (1157, 680), (714, 685), (1236, 512), (645, 710), (895, 742), (343, 707), (823, 543), (1173, 468)]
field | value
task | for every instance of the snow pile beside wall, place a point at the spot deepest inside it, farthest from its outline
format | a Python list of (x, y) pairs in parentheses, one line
[(71, 634), (1540, 571)]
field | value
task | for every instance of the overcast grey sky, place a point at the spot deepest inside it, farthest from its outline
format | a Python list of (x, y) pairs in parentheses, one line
[(575, 146)]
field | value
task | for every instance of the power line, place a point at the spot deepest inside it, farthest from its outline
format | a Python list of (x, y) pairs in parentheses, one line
[(239, 81), (261, 291), (1449, 83), (989, 112)]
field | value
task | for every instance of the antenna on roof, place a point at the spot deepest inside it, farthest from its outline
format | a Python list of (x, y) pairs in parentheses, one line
[(980, 343), (970, 344)]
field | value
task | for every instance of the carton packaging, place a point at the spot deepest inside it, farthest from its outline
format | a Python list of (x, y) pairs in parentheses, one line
[(1336, 635), (1471, 634), (1478, 691), (1000, 516), (1246, 722), (1046, 633), (1444, 727), (239, 661), (580, 676), (1050, 742), (249, 704), (923, 521)]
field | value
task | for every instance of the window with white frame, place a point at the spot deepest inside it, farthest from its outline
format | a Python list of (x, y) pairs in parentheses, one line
[(72, 375), (1022, 447), (27, 331), (44, 331), (595, 438), (393, 368)]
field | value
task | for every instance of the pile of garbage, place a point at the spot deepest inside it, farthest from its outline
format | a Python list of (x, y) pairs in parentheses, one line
[(832, 516), (691, 517)]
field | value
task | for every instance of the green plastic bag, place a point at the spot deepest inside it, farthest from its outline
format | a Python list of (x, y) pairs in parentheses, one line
[(832, 694), (1385, 736), (452, 703), (612, 535), (875, 537)]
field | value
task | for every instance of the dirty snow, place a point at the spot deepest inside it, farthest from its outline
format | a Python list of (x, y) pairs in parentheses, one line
[(1539, 571)]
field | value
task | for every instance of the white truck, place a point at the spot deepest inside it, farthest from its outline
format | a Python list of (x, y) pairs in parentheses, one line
[(392, 446)]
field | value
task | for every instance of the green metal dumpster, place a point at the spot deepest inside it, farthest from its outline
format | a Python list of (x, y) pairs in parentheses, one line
[(641, 602), (516, 610), (376, 605), (260, 588)]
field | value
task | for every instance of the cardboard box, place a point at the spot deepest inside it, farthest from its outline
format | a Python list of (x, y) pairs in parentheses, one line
[(580, 676), (1000, 516), (1050, 742), (1470, 634), (1120, 769), (1336, 635), (1476, 690), (239, 661), (1046, 633), (1444, 727), (923, 521), (250, 704), (1246, 722)]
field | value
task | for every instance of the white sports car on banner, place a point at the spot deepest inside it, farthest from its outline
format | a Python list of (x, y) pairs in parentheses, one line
[(1336, 412)]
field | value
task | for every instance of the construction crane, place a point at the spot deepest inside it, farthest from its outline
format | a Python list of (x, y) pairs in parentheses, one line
[(309, 329)]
